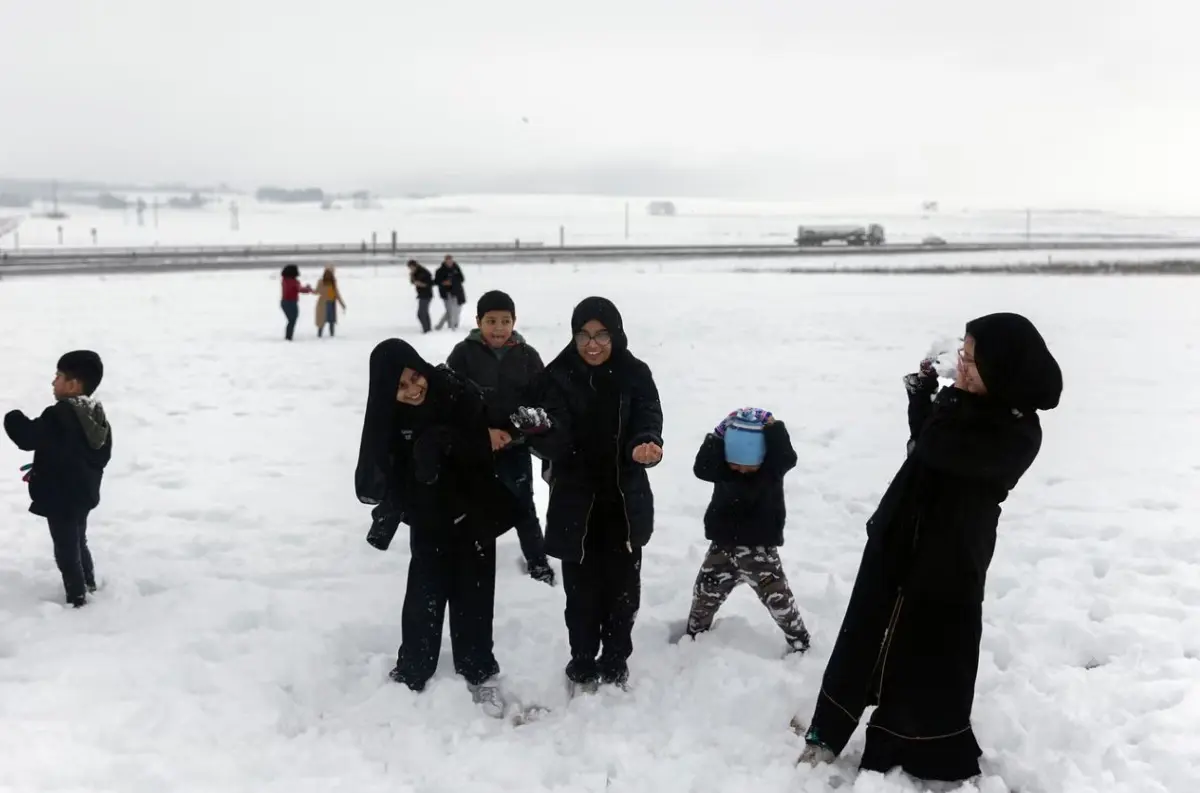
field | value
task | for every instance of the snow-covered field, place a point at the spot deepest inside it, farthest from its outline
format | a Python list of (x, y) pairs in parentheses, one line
[(584, 220), (244, 629)]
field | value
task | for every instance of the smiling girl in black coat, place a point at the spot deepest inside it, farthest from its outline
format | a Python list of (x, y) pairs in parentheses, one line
[(909, 642), (426, 460), (606, 431)]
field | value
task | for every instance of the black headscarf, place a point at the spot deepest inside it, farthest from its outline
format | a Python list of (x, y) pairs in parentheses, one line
[(602, 309), (1014, 362), (385, 416)]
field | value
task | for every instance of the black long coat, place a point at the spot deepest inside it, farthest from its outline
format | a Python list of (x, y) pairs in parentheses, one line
[(909, 642)]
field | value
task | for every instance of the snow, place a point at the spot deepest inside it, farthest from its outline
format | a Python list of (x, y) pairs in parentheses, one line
[(583, 219), (244, 628)]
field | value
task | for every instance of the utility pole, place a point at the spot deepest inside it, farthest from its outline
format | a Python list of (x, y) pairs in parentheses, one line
[(627, 221), (1028, 226)]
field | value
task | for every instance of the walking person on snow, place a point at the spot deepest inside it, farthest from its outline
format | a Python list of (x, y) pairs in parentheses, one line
[(909, 642), (746, 458), (290, 301), (450, 279), (329, 297), (606, 430), (426, 460), (422, 280), (497, 359)]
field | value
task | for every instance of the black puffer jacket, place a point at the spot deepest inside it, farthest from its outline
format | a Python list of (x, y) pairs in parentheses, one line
[(600, 414), (746, 509), (71, 443), (506, 376)]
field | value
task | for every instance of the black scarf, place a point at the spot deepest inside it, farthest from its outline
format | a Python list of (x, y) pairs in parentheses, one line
[(387, 421)]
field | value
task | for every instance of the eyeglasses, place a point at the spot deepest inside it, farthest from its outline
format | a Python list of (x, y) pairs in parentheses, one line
[(603, 338)]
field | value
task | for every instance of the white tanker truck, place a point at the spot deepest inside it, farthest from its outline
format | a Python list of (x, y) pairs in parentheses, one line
[(850, 235)]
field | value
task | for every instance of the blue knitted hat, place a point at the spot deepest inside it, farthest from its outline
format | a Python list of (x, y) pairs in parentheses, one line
[(745, 443)]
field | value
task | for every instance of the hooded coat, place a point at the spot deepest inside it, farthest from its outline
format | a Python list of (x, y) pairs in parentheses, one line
[(429, 466), (600, 414), (71, 443), (909, 641)]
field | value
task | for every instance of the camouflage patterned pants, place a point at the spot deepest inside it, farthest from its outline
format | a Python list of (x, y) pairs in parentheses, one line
[(727, 566)]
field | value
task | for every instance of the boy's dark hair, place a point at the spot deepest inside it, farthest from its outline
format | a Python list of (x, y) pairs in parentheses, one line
[(413, 263), (84, 366), (291, 271), (495, 301)]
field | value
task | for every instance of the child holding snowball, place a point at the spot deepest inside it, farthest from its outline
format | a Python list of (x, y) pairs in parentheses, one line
[(746, 458)]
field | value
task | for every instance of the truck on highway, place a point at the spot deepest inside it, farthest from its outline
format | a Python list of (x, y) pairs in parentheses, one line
[(851, 235)]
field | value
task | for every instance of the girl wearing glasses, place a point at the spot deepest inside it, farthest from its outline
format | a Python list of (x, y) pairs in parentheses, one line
[(606, 430), (909, 642)]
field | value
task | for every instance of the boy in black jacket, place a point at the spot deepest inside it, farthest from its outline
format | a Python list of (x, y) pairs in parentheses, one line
[(746, 458), (500, 362), (71, 443)]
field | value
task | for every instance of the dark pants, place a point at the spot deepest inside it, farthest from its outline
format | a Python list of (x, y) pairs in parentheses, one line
[(604, 592), (515, 469), (725, 567), (423, 313), (72, 556), (330, 318), (462, 573), (291, 310)]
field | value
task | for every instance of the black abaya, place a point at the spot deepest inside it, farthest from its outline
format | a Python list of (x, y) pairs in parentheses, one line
[(909, 642)]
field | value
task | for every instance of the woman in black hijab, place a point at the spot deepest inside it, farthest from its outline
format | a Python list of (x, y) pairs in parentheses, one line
[(606, 431), (426, 460), (909, 642)]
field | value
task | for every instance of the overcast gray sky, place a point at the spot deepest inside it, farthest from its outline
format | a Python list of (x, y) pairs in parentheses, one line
[(1053, 101)]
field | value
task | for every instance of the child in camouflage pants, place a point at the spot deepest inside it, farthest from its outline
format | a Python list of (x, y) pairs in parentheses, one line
[(746, 458)]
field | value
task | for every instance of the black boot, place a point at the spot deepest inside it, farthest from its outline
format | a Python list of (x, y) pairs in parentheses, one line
[(399, 675), (614, 673)]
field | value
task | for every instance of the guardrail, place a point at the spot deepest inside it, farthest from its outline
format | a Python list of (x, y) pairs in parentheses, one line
[(264, 251), (242, 258)]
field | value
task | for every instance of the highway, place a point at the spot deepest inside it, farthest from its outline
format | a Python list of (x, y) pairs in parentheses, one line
[(46, 261)]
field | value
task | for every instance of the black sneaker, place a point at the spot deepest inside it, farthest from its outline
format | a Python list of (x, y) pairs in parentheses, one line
[(540, 570)]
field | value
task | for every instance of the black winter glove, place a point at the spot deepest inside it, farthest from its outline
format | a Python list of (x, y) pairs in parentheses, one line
[(385, 521), (531, 421), (924, 381)]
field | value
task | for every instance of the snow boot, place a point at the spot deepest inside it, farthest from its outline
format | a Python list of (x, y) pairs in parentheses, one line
[(614, 673), (582, 677), (399, 675), (488, 696)]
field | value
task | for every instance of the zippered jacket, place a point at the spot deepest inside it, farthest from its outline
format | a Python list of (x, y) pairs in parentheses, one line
[(600, 414)]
